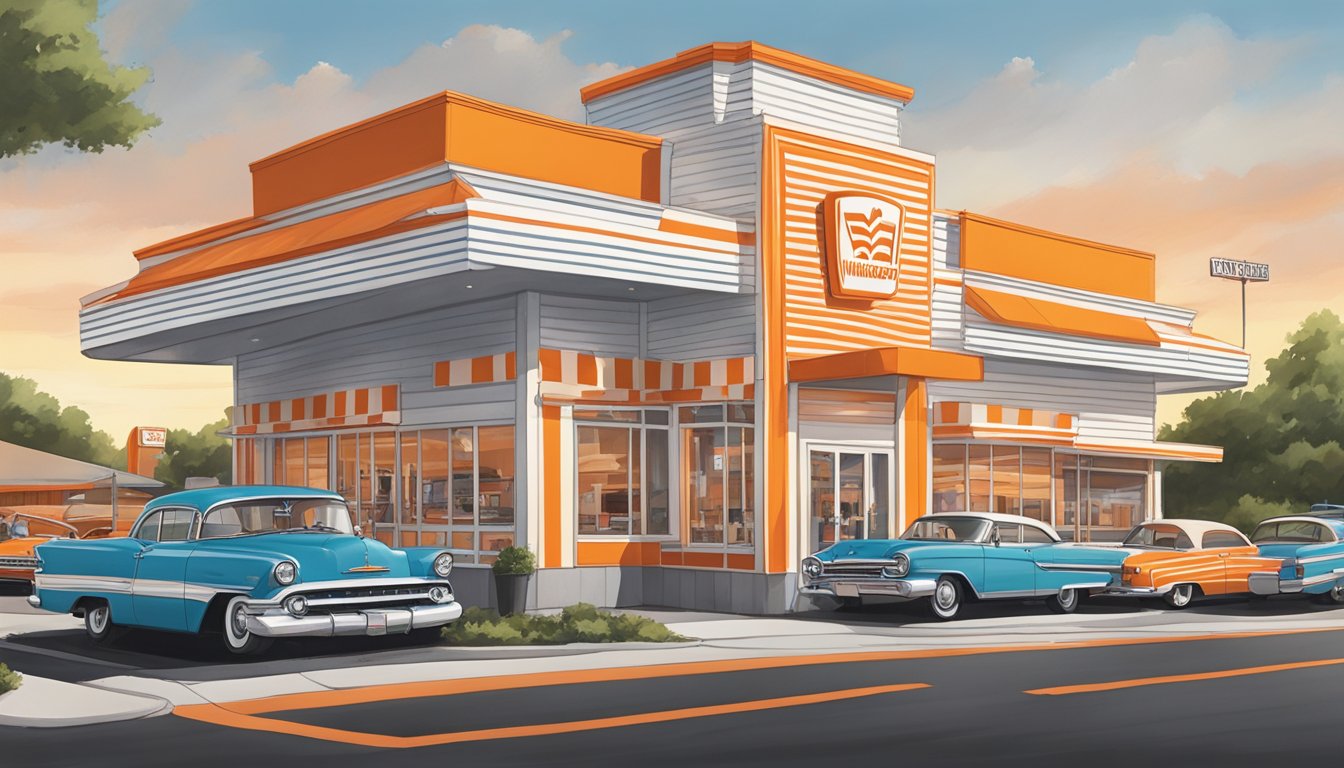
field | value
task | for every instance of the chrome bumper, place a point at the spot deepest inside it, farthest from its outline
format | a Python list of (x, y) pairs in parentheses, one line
[(369, 622), (1124, 591), (35, 601), (908, 589), (1267, 583)]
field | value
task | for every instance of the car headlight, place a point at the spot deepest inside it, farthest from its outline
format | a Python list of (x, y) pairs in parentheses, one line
[(812, 567), (285, 573), (900, 566), (443, 564), (297, 605)]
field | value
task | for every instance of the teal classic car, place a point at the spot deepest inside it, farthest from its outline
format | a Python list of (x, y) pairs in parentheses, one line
[(1312, 550), (949, 558), (252, 563)]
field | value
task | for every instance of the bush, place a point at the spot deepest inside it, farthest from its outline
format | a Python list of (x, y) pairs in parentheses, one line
[(9, 680), (515, 561), (579, 623)]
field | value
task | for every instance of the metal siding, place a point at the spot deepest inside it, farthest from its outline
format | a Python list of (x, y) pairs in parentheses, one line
[(701, 326), (718, 169), (834, 108), (598, 326)]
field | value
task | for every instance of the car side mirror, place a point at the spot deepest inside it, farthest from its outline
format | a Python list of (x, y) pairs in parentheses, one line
[(359, 531)]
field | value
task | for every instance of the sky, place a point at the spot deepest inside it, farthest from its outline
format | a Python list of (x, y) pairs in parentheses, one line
[(1190, 129)]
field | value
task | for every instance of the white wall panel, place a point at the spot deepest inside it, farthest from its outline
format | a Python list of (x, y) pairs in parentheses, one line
[(1109, 404), (397, 351), (701, 327), (597, 326)]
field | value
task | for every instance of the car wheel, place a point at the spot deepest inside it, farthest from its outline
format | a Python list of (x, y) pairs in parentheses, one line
[(1065, 601), (238, 638), (1334, 597), (1180, 595), (945, 601), (98, 622)]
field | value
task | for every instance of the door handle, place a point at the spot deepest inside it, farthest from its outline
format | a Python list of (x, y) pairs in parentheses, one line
[(139, 556), (1224, 554)]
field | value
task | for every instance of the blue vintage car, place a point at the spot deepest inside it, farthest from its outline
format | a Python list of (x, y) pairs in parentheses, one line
[(1312, 549), (252, 563), (949, 558)]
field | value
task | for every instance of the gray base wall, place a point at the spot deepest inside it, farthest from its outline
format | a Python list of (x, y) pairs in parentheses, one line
[(628, 587)]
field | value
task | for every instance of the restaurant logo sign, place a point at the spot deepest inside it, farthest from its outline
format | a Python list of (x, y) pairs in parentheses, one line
[(153, 437), (863, 244), (1238, 270)]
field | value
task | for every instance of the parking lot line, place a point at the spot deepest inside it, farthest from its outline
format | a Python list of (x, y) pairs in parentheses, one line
[(211, 713), (391, 691), (1115, 685)]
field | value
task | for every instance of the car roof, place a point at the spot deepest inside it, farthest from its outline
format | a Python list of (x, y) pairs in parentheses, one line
[(205, 498), (1329, 522), (1195, 529), (998, 517)]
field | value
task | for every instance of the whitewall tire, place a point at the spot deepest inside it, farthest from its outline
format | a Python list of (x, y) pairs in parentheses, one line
[(98, 622), (1065, 601), (1180, 595), (238, 638), (945, 602)]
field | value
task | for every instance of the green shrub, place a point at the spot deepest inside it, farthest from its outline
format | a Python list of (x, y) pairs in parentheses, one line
[(579, 623), (515, 560), (9, 680)]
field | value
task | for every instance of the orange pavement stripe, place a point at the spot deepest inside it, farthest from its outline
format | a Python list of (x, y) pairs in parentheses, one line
[(213, 714), (348, 696), (1065, 690)]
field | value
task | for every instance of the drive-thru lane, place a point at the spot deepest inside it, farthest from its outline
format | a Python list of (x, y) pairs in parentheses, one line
[(1229, 700)]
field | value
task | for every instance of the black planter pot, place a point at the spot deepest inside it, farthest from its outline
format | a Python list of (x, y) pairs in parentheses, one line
[(511, 592)]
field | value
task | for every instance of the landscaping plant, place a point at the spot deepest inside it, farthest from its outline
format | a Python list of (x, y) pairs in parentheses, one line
[(579, 623), (9, 680)]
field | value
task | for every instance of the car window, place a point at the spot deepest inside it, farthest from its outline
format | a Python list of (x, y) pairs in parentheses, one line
[(269, 515), (1033, 535), (149, 527), (1009, 533), (175, 524), (946, 528), (1290, 532), (1158, 536), (1216, 539)]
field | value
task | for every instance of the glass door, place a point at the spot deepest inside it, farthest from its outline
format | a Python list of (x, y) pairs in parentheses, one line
[(849, 495)]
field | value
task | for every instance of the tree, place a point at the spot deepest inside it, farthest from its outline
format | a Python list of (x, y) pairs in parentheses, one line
[(57, 87), (203, 453), (1281, 440), (35, 419)]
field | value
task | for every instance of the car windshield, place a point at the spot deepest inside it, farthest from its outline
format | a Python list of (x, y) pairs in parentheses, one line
[(270, 515), (1158, 537), (1290, 532), (947, 528)]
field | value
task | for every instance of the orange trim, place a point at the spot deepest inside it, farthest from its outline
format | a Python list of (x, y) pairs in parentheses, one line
[(369, 569), (1041, 315), (619, 553), (676, 227), (1116, 685), (551, 505), (586, 230), (741, 562), (696, 559), (737, 53), (199, 237), (775, 408), (35, 488), (915, 413), (1005, 248), (671, 557), (1158, 450), (888, 361)]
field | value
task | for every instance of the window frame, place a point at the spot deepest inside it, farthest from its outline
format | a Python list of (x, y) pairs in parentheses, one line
[(157, 514), (1204, 540), (642, 425), (748, 421)]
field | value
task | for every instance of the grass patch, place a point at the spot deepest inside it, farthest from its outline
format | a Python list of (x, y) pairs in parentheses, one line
[(580, 623), (9, 680)]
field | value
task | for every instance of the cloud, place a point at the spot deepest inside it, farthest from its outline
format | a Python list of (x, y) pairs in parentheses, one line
[(64, 214)]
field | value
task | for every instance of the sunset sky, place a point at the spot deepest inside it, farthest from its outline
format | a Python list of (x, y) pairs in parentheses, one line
[(1188, 129)]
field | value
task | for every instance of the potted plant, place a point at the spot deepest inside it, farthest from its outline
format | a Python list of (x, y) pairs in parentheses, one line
[(513, 568)]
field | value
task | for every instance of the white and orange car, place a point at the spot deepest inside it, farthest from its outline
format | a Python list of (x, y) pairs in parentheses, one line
[(1180, 560)]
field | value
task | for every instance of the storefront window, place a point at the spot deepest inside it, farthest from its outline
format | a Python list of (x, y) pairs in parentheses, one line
[(1007, 488), (949, 478), (719, 474), (466, 490), (249, 461), (1036, 484), (301, 461), (622, 472), (978, 472), (410, 480)]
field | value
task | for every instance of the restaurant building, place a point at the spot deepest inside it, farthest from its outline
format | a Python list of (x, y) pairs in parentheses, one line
[(672, 350)]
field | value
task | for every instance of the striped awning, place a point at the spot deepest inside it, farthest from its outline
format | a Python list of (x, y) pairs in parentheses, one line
[(358, 407)]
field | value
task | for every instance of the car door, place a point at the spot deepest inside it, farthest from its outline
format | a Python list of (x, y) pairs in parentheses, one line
[(1237, 557), (1010, 570), (159, 589)]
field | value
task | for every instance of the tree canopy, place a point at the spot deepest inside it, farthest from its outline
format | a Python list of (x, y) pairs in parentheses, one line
[(1281, 439), (57, 87), (35, 419), (203, 453)]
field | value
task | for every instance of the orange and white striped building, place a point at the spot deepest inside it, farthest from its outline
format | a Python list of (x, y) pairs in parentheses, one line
[(673, 349)]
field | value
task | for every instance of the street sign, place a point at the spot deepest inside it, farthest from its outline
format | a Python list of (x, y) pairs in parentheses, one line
[(1238, 270)]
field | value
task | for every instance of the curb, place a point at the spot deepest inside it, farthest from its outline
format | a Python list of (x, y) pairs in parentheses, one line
[(44, 703)]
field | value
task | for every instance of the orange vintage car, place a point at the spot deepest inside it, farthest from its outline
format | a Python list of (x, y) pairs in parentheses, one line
[(23, 528), (1180, 560)]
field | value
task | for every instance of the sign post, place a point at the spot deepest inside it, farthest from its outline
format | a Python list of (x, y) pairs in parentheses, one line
[(1243, 271)]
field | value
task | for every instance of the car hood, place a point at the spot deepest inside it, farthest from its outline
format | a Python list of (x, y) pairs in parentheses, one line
[(321, 556)]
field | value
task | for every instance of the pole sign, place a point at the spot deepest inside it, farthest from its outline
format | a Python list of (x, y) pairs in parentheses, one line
[(1238, 270)]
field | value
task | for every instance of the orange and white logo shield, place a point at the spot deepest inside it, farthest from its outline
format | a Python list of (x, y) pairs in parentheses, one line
[(863, 244)]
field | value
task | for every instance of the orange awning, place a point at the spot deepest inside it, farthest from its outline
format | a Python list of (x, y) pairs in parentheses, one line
[(1042, 315), (335, 230), (889, 361)]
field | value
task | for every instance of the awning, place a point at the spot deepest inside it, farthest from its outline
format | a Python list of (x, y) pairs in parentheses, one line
[(1053, 317), (889, 361), (355, 225), (27, 469)]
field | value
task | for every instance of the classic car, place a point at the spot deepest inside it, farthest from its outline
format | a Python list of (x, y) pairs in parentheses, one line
[(252, 563), (948, 558), (1311, 549), (1180, 560)]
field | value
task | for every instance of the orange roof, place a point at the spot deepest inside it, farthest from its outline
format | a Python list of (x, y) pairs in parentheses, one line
[(744, 51), (889, 361), (355, 225), (1041, 315)]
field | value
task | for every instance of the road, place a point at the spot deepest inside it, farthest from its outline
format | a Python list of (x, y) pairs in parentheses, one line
[(1226, 700)]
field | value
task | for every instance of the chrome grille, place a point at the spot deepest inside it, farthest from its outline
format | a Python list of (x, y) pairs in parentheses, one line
[(356, 598), (18, 562), (870, 569)]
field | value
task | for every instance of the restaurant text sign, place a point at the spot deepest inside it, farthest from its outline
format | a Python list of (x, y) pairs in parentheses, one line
[(1238, 270)]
